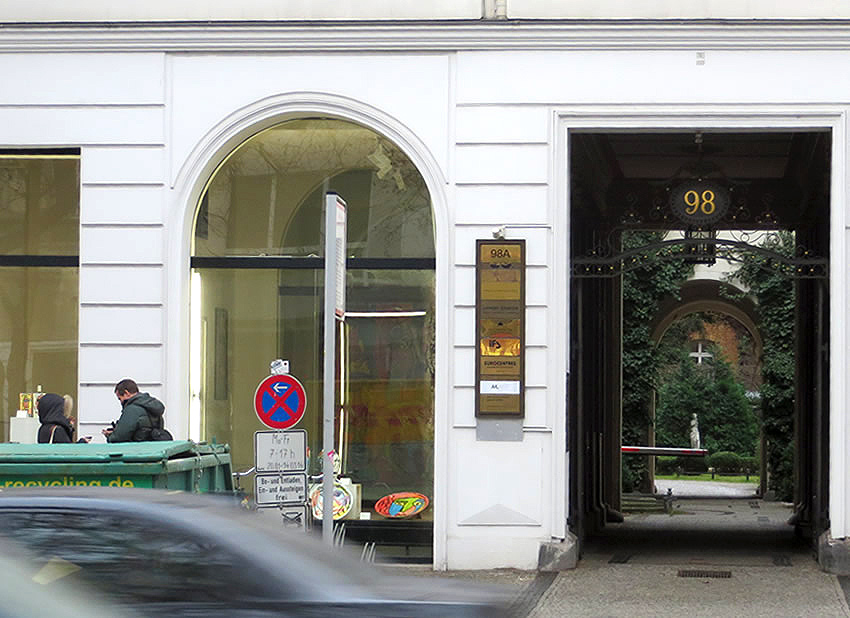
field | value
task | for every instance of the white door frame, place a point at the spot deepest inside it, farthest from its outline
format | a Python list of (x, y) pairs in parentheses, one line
[(742, 118)]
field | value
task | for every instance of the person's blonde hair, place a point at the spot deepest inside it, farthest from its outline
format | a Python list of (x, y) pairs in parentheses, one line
[(69, 404)]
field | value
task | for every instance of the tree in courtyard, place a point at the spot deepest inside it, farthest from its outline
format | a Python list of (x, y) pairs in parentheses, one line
[(726, 419)]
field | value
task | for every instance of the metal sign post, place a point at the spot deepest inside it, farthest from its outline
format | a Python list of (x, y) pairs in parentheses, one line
[(335, 241)]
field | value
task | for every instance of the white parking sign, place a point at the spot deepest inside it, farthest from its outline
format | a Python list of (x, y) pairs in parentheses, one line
[(280, 451), (282, 488)]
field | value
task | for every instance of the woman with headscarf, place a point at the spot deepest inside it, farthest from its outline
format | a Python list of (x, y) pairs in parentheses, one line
[(56, 428)]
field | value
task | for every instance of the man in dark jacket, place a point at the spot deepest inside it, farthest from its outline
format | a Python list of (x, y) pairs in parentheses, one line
[(140, 413)]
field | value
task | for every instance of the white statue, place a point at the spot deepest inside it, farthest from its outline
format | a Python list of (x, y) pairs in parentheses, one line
[(694, 431)]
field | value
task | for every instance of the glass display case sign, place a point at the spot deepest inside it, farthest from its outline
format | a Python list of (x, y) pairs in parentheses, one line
[(500, 327)]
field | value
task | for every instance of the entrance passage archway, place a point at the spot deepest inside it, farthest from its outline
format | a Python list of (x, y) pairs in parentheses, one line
[(707, 339), (670, 187), (257, 286)]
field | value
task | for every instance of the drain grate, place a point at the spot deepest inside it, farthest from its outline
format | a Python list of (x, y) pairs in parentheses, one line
[(701, 573), (619, 559)]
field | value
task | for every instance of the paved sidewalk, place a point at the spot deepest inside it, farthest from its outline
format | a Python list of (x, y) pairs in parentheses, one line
[(714, 557), (600, 589)]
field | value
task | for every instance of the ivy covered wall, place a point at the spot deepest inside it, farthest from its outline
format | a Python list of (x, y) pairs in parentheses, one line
[(643, 290)]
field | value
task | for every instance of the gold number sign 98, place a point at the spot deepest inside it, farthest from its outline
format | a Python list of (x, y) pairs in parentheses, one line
[(704, 202), (700, 202)]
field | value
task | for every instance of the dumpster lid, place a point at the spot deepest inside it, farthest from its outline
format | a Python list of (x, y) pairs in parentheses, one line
[(99, 453)]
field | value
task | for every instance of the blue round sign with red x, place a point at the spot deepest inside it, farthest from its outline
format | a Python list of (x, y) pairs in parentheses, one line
[(280, 401)]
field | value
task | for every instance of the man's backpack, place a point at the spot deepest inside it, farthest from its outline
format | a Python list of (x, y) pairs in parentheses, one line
[(160, 433)]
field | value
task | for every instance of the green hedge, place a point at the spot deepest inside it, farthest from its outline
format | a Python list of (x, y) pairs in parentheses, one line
[(750, 464), (732, 463), (693, 464), (665, 464), (725, 461)]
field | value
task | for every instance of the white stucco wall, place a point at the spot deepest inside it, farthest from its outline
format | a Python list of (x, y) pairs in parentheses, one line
[(112, 107), (202, 10), (674, 9), (248, 10), (491, 125)]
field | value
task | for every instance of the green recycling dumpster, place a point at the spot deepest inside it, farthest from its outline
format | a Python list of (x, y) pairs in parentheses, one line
[(180, 465)]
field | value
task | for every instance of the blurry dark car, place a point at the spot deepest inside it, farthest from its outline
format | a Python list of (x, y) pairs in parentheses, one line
[(170, 553), (31, 591)]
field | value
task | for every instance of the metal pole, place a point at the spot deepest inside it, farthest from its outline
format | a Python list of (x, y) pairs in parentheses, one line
[(329, 375)]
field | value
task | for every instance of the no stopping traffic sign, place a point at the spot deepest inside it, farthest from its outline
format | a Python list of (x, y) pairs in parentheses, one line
[(280, 401)]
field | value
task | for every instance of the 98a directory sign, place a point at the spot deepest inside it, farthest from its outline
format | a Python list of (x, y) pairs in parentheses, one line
[(500, 328)]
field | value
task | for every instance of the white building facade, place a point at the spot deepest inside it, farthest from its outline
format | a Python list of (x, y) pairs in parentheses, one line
[(482, 102)]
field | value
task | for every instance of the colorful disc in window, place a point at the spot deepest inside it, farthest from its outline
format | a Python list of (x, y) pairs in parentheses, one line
[(343, 500), (401, 504)]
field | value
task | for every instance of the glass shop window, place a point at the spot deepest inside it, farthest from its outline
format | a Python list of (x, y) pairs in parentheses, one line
[(39, 278), (257, 295)]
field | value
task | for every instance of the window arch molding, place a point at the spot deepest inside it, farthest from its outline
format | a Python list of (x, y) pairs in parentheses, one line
[(224, 138), (190, 182)]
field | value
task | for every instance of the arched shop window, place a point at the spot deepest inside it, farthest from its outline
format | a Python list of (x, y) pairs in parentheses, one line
[(39, 277), (257, 295)]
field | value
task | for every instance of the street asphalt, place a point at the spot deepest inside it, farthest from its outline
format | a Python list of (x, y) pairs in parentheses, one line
[(714, 556)]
